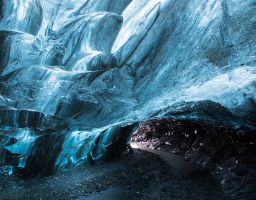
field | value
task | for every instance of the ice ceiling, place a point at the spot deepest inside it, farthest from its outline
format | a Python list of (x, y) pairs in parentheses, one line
[(77, 75)]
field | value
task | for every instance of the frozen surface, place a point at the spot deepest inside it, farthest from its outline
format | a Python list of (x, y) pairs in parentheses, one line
[(76, 76)]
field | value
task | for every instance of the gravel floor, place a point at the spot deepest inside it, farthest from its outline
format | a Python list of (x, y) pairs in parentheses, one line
[(138, 176)]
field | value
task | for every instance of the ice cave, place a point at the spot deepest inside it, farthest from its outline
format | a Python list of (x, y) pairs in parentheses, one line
[(90, 84)]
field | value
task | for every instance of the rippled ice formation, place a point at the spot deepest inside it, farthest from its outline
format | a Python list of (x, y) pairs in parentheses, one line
[(78, 75)]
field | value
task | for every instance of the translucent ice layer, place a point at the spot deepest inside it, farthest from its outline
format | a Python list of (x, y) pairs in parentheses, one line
[(77, 76)]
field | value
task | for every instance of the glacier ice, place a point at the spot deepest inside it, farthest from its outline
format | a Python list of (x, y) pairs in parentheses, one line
[(77, 76), (25, 16), (16, 48)]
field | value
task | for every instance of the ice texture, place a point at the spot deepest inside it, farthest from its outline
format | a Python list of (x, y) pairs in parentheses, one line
[(76, 76)]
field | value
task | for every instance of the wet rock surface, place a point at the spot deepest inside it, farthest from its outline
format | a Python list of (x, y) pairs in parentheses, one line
[(139, 176), (228, 154)]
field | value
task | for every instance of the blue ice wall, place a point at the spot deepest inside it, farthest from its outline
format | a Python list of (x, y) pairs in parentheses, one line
[(77, 75)]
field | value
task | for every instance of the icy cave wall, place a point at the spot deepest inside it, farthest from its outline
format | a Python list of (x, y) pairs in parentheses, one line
[(76, 76)]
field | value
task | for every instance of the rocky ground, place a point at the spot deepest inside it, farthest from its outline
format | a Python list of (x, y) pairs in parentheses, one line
[(138, 176), (228, 153)]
